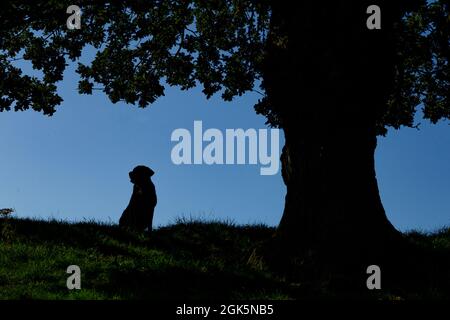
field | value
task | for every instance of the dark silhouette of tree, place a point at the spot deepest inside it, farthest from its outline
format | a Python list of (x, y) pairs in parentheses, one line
[(328, 81)]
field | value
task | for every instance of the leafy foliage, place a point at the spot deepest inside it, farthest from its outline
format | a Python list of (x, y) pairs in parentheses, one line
[(423, 71), (140, 45), (220, 44)]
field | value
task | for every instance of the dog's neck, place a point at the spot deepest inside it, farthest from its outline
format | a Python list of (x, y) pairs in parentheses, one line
[(141, 186)]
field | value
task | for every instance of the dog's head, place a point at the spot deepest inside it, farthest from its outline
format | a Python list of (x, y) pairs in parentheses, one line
[(141, 174)]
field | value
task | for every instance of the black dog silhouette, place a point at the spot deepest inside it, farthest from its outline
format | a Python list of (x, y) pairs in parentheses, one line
[(139, 213)]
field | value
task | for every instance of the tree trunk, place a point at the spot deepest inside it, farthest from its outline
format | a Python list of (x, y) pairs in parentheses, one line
[(332, 199), (327, 79)]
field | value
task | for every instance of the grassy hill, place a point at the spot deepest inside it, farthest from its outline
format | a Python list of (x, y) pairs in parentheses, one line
[(186, 260)]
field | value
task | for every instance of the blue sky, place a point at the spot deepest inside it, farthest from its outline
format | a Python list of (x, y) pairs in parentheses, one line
[(75, 165)]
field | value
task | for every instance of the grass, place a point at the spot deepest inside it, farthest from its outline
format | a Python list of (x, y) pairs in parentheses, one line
[(186, 260)]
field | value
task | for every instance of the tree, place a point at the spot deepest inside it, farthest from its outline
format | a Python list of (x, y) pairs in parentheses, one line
[(329, 82)]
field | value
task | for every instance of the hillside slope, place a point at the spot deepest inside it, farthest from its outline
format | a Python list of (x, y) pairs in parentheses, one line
[(187, 260)]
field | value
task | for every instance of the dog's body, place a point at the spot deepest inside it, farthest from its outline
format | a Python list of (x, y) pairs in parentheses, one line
[(139, 213)]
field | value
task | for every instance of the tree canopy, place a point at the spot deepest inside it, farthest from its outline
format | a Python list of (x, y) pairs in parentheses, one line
[(142, 46)]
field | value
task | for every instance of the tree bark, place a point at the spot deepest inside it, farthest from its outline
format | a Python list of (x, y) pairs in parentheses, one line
[(328, 79), (332, 199)]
